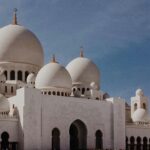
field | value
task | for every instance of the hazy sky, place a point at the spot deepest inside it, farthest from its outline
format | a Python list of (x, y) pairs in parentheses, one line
[(115, 35)]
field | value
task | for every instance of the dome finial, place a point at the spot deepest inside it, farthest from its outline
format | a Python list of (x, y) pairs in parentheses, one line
[(53, 59), (81, 51), (14, 21)]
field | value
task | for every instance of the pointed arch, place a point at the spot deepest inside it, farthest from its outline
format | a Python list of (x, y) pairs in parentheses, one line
[(55, 139), (99, 139), (12, 75), (78, 135), (5, 140)]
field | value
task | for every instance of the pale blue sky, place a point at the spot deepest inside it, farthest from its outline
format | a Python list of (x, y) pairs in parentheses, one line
[(115, 35)]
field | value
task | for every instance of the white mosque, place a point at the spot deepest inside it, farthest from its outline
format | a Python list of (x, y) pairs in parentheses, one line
[(52, 107)]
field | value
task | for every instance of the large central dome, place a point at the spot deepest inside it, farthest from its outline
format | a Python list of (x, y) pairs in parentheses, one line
[(18, 44)]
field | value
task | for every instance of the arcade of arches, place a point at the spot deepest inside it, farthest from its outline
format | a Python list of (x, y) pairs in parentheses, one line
[(137, 143), (78, 137)]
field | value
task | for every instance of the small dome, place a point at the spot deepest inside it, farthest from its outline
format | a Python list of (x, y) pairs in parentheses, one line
[(84, 71), (53, 75), (18, 44), (139, 115), (4, 104), (31, 78), (139, 92)]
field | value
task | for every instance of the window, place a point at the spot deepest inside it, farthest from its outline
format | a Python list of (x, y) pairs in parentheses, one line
[(58, 93), (12, 75), (83, 91), (54, 93), (20, 75)]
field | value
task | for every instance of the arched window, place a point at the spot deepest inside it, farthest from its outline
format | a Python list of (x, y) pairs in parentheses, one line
[(12, 75), (138, 141), (12, 89), (99, 140), (19, 75), (127, 146), (54, 93), (5, 73), (132, 145), (5, 142), (62, 93), (83, 91), (55, 139), (144, 105), (58, 93), (26, 75), (145, 145), (49, 93), (135, 106)]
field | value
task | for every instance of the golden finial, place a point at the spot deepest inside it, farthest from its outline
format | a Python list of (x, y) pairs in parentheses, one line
[(53, 59), (14, 21), (81, 51)]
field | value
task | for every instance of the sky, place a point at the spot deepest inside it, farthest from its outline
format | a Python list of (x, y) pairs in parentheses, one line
[(115, 34)]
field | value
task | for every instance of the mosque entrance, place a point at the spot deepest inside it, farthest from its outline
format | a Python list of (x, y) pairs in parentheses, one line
[(78, 135)]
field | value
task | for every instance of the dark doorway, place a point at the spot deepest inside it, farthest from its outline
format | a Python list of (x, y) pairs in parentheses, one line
[(55, 139), (78, 135), (99, 140), (5, 142)]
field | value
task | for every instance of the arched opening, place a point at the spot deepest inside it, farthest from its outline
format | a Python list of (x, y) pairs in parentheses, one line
[(78, 135), (55, 139), (99, 139), (127, 143), (19, 75), (26, 75), (145, 147), (5, 73), (83, 91), (12, 75), (5, 142), (58, 93), (138, 146), (135, 106), (144, 105), (132, 140)]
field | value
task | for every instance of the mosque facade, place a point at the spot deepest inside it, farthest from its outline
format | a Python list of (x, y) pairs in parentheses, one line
[(52, 107)]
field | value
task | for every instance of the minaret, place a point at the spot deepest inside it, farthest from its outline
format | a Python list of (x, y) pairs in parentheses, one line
[(14, 21), (139, 101)]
